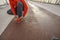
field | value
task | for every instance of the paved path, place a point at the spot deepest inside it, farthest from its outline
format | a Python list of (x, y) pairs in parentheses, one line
[(39, 24)]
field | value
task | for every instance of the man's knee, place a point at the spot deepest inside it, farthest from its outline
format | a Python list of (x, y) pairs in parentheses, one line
[(10, 12), (18, 4)]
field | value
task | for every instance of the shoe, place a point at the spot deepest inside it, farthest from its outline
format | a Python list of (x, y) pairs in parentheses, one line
[(18, 20)]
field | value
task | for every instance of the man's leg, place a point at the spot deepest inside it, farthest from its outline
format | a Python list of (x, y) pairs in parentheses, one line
[(10, 12), (19, 12), (19, 9)]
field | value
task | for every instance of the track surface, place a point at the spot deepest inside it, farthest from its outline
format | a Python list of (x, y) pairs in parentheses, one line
[(39, 24)]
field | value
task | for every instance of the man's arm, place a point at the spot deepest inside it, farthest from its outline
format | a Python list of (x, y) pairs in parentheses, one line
[(12, 7)]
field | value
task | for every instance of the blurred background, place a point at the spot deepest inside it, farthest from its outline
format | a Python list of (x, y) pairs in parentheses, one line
[(42, 21)]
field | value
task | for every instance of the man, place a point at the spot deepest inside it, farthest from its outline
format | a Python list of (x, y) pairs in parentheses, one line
[(19, 8)]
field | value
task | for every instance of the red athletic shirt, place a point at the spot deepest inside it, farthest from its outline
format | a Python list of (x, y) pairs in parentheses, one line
[(13, 3)]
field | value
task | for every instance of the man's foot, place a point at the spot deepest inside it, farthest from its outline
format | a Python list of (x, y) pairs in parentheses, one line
[(18, 20)]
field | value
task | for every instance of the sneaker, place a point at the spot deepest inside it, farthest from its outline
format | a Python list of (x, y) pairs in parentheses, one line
[(18, 20)]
